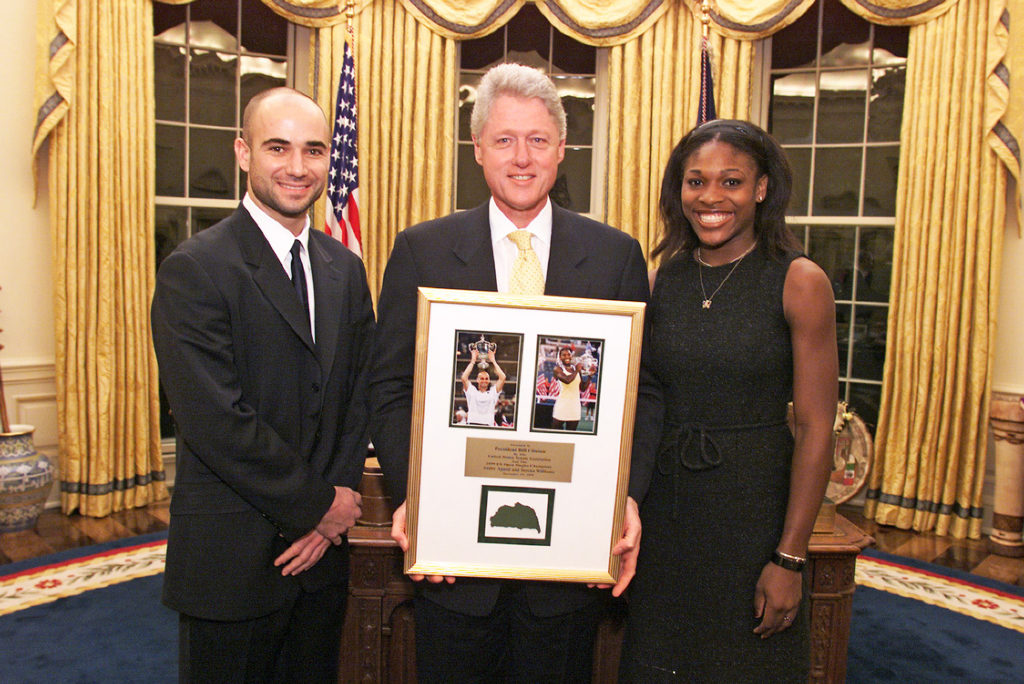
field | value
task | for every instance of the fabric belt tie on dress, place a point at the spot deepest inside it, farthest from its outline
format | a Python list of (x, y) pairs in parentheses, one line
[(692, 446)]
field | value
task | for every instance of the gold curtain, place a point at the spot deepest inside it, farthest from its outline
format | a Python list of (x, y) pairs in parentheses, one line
[(1005, 122), (654, 85), (931, 440), (95, 103), (405, 90)]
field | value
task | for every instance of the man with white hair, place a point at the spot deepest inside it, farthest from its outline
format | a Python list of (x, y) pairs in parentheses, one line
[(519, 241)]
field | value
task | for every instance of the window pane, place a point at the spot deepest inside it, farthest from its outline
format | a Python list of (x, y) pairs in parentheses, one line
[(792, 47), (258, 74), (578, 100), (836, 181), (468, 83), (792, 107), (214, 24), (572, 57), (832, 249), (263, 30), (204, 217), (167, 17), (865, 399), (169, 82), (885, 111), (572, 186), (211, 164), (841, 104), (171, 229), (875, 269), (893, 39), (166, 421), (481, 53), (472, 190), (880, 176), (869, 342), (800, 163), (170, 160), (843, 335), (840, 25), (212, 88), (529, 38)]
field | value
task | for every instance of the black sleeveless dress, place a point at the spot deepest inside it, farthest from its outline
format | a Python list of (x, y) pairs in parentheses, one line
[(715, 506)]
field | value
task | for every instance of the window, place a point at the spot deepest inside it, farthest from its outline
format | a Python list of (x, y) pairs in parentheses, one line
[(210, 58), (574, 67), (836, 104)]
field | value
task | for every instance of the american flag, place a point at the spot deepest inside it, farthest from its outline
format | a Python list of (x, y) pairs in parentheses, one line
[(343, 178)]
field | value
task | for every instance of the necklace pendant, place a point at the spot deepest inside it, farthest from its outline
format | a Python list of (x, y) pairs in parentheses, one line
[(706, 304)]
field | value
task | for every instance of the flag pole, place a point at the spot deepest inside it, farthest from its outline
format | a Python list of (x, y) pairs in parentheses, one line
[(350, 13)]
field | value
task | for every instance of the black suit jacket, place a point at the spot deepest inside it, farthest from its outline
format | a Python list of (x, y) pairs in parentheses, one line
[(267, 421), (587, 259)]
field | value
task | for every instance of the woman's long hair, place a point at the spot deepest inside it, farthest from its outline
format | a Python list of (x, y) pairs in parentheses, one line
[(770, 215)]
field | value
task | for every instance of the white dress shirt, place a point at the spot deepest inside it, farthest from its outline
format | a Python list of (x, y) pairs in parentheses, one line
[(281, 240), (505, 251)]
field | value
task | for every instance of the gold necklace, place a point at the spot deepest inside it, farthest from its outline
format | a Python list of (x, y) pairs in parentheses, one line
[(706, 302)]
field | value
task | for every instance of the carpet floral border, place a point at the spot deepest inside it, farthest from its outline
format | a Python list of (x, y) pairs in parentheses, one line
[(48, 583), (981, 603)]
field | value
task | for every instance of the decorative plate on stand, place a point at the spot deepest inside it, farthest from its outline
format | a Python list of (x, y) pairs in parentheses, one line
[(853, 454)]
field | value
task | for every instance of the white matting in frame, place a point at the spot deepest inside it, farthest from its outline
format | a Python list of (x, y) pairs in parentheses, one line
[(517, 502)]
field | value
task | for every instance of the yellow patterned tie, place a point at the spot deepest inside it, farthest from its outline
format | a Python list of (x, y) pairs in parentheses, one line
[(527, 276)]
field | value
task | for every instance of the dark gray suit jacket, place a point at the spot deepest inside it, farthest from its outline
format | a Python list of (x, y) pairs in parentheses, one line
[(267, 421), (587, 259)]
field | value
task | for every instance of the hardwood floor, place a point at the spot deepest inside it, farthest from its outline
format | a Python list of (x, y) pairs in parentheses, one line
[(969, 555), (56, 532)]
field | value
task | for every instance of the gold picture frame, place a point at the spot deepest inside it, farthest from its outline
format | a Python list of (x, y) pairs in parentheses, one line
[(510, 476)]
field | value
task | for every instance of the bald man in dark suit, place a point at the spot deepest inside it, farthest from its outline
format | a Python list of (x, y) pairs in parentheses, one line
[(262, 328)]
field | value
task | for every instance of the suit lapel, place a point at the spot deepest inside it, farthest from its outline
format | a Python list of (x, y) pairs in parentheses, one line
[(565, 275), (329, 294), (270, 276), (472, 249)]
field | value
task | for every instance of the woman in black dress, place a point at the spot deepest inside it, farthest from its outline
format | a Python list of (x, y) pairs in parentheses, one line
[(739, 324)]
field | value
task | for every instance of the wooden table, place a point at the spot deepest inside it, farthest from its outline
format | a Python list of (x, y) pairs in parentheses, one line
[(378, 640), (832, 557)]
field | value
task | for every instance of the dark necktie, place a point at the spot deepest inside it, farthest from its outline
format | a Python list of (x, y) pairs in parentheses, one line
[(299, 278)]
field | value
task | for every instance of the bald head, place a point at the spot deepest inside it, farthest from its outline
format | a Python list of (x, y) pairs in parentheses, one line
[(252, 109)]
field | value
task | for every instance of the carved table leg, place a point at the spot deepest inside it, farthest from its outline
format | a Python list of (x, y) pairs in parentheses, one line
[(1006, 417)]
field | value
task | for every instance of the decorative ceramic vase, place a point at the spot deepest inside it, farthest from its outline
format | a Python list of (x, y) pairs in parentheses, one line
[(25, 479)]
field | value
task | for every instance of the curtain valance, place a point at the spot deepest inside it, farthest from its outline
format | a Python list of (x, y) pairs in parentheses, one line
[(594, 22), (899, 12), (745, 20), (314, 13), (614, 22)]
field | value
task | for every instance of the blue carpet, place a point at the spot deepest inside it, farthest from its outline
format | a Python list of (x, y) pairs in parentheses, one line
[(897, 639), (123, 634), (119, 633)]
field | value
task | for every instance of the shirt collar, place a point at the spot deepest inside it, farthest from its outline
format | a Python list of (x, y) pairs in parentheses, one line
[(279, 237), (501, 226)]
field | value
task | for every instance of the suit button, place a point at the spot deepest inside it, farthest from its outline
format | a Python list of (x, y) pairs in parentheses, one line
[(316, 387), (318, 435)]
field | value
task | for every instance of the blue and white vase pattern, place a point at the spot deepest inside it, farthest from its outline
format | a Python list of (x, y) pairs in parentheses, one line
[(25, 479)]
